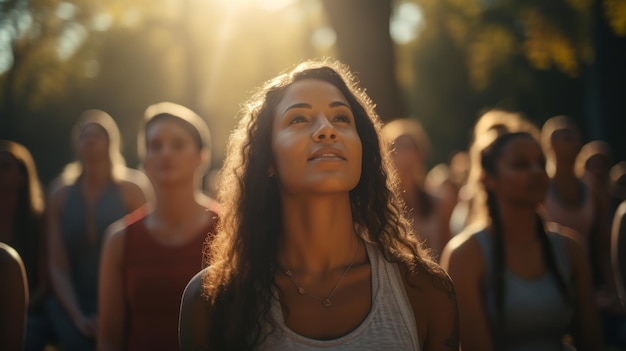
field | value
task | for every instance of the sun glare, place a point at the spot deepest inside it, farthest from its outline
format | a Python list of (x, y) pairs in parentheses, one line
[(406, 23), (70, 40), (268, 5)]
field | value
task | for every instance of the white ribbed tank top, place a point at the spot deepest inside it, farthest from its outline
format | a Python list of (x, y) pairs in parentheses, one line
[(389, 325)]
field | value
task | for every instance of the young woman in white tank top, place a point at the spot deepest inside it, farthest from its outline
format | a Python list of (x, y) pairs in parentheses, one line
[(313, 251)]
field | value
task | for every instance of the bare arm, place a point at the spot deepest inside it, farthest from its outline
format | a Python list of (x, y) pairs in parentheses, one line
[(59, 267), (618, 251), (195, 317), (602, 248), (111, 305), (13, 299), (461, 258), (587, 327)]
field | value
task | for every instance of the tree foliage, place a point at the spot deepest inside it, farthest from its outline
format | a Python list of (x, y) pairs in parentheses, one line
[(531, 56), (61, 57)]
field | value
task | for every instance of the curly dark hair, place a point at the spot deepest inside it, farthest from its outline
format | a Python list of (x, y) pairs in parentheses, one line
[(242, 258)]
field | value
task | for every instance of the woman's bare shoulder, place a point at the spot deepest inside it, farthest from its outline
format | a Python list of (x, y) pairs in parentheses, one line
[(193, 291), (463, 246), (58, 192), (195, 315)]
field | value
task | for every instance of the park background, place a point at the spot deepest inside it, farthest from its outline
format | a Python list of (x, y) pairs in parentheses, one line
[(439, 61)]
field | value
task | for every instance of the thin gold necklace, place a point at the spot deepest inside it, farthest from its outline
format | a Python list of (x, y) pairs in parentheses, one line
[(326, 303)]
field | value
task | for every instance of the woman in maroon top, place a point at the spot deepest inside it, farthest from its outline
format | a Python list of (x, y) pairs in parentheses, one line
[(149, 258)]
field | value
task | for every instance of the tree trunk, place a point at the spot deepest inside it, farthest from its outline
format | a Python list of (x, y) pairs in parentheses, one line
[(364, 43)]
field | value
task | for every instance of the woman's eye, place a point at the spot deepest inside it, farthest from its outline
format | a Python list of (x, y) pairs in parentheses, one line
[(297, 119), (342, 118)]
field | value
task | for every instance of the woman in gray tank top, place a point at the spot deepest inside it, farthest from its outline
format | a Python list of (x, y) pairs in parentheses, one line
[(520, 288), (313, 251), (90, 194)]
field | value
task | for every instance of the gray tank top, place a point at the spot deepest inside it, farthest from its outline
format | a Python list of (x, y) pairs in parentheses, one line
[(389, 325), (83, 254), (537, 314)]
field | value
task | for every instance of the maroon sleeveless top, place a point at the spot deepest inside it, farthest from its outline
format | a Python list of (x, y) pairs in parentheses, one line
[(154, 279)]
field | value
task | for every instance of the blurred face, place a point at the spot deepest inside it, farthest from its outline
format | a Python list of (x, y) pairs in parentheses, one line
[(11, 176), (93, 143), (566, 144), (599, 167), (315, 143), (520, 173), (172, 154), (407, 158)]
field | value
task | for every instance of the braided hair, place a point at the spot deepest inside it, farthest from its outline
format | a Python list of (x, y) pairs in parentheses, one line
[(489, 158)]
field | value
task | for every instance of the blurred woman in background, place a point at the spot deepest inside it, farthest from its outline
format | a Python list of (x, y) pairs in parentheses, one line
[(22, 228), (89, 195), (410, 148), (615, 320), (519, 287), (13, 299), (471, 197), (148, 259), (575, 208)]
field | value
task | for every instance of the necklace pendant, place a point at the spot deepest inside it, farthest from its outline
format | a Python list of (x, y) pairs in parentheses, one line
[(326, 303), (301, 290)]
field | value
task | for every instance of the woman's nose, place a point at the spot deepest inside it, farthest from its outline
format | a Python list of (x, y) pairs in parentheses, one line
[(324, 130)]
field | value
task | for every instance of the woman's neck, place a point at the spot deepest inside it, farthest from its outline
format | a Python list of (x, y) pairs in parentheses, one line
[(564, 172), (96, 173), (519, 224), (318, 233), (176, 204)]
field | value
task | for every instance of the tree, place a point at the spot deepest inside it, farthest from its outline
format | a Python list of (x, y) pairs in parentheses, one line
[(364, 43)]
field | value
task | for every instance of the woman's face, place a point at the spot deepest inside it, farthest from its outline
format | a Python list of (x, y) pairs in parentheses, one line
[(520, 176), (315, 143), (408, 159), (93, 143), (598, 166), (172, 154), (566, 144)]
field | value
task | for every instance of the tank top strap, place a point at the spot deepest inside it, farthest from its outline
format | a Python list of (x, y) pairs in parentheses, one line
[(484, 241)]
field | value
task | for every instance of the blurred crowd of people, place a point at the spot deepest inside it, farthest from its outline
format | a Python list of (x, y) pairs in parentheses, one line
[(140, 233), (529, 222)]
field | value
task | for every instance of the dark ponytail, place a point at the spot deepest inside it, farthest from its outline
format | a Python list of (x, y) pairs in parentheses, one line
[(497, 268), (550, 260)]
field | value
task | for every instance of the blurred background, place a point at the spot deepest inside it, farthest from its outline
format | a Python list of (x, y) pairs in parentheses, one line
[(439, 61)]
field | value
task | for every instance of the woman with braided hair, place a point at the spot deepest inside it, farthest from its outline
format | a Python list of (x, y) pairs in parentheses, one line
[(520, 287)]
